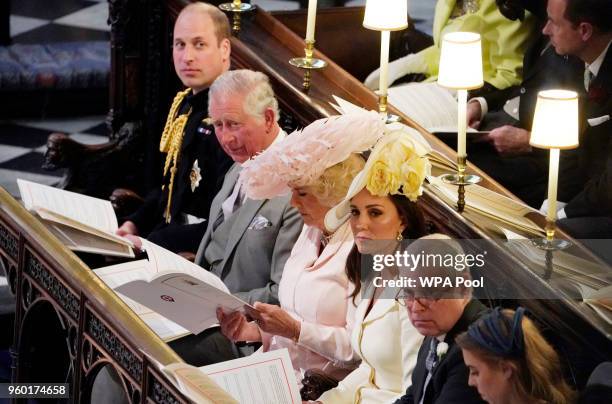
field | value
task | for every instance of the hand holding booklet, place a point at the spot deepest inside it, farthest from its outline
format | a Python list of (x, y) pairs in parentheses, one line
[(81, 222), (173, 287)]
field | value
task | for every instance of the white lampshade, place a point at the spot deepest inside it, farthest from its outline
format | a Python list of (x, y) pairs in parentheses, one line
[(461, 61), (386, 15), (555, 122)]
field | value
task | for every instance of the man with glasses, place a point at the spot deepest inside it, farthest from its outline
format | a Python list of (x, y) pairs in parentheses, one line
[(440, 314)]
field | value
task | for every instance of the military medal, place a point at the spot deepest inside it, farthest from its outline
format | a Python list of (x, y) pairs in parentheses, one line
[(194, 176)]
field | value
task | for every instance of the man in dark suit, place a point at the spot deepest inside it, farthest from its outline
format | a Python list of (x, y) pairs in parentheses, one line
[(584, 28), (440, 314), (174, 214), (505, 153)]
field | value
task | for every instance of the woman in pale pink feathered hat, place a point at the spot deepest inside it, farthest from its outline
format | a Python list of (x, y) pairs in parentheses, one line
[(316, 165)]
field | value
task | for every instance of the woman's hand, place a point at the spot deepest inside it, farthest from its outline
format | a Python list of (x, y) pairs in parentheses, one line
[(277, 321), (236, 327)]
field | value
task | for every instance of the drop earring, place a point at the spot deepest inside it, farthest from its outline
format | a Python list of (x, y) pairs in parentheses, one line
[(399, 236)]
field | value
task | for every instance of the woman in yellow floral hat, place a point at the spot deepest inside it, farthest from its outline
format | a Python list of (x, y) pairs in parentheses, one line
[(382, 210)]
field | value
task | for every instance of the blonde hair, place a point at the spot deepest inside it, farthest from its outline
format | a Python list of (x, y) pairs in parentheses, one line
[(219, 19), (537, 373), (331, 187)]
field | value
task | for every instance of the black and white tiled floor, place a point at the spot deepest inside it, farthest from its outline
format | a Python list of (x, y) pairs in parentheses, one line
[(22, 142)]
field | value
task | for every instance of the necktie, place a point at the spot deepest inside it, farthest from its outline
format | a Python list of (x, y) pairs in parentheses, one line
[(220, 218), (229, 206), (430, 363), (588, 77), (432, 355)]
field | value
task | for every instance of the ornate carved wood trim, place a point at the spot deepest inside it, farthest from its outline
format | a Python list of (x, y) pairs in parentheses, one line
[(51, 285), (9, 242), (107, 339)]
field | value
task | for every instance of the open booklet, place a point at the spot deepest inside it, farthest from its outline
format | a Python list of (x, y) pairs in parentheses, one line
[(430, 105), (579, 276), (261, 378), (439, 161), (181, 296), (81, 222), (489, 204)]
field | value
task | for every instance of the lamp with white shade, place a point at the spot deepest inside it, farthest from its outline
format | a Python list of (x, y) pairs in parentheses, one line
[(461, 69), (385, 16), (555, 127)]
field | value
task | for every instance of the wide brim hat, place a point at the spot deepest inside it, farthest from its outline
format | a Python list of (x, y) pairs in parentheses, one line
[(302, 157), (404, 135)]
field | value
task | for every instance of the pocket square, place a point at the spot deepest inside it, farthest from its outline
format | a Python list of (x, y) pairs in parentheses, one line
[(259, 222), (598, 121)]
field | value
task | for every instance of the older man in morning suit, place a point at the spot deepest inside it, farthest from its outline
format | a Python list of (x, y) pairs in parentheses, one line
[(247, 242)]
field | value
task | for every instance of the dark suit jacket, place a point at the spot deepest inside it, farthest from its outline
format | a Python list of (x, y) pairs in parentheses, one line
[(594, 155), (199, 143), (543, 69), (449, 381)]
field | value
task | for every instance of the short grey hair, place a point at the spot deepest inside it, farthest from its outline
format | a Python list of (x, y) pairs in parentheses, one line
[(255, 86)]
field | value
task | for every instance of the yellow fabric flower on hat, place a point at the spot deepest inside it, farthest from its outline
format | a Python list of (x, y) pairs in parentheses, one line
[(397, 168), (382, 180), (414, 172)]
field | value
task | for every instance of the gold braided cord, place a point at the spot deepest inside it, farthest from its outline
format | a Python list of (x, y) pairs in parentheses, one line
[(166, 134), (171, 142)]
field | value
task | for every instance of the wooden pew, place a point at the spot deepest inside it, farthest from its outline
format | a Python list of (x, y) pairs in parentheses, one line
[(68, 324)]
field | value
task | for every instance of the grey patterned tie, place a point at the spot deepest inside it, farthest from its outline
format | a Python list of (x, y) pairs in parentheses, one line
[(588, 77), (430, 363), (432, 356)]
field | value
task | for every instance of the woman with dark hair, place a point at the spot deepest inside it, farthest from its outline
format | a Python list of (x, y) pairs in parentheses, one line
[(382, 210), (510, 362)]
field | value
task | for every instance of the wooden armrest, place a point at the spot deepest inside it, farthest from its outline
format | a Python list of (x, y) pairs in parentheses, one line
[(315, 383), (125, 201), (188, 255)]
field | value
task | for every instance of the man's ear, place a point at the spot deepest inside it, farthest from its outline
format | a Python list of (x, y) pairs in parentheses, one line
[(226, 49), (270, 118), (586, 31)]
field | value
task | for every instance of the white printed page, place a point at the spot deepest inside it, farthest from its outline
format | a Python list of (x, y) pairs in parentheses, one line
[(262, 378), (94, 212), (186, 300), (197, 385), (164, 261), (428, 104), (116, 275)]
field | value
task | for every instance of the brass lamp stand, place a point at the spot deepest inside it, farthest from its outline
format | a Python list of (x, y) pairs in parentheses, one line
[(308, 63), (236, 7)]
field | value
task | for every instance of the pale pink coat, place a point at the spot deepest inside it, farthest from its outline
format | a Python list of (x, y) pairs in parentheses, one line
[(314, 289)]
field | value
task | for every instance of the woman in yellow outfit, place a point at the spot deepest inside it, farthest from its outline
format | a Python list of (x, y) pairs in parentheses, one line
[(503, 43)]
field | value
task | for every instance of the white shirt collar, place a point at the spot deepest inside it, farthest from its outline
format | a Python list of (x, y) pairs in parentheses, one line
[(596, 65)]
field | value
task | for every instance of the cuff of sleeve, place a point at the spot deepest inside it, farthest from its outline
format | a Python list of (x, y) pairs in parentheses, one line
[(484, 106), (561, 214)]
